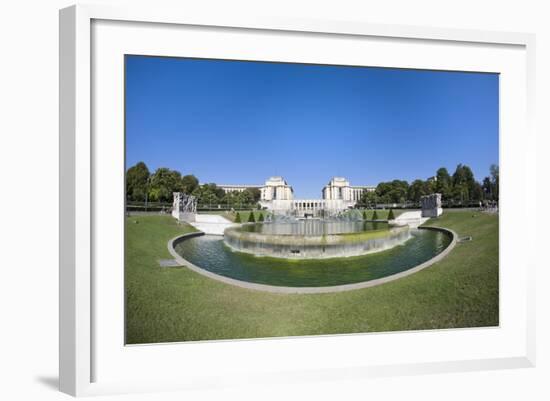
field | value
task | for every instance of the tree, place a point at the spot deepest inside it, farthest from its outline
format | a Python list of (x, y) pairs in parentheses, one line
[(463, 183), (251, 218), (476, 193), (253, 194), (240, 198), (209, 194), (189, 183), (417, 189), (369, 198), (489, 186), (238, 218), (375, 216), (245, 197), (364, 215), (382, 192), (495, 179), (489, 189), (443, 183), (137, 178), (229, 198), (261, 218), (392, 192), (391, 215), (164, 182), (153, 194)]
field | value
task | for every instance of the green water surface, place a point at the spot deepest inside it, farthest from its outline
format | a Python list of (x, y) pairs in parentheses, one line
[(210, 253)]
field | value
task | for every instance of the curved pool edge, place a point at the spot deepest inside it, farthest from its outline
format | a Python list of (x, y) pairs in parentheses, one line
[(309, 290)]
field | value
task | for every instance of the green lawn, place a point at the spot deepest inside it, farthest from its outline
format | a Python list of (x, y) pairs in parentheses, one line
[(176, 304), (227, 214), (382, 214), (245, 214)]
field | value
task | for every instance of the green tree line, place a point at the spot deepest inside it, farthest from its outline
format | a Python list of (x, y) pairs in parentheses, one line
[(141, 186), (459, 188)]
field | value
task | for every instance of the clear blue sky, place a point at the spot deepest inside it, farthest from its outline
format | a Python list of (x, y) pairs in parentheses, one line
[(233, 122)]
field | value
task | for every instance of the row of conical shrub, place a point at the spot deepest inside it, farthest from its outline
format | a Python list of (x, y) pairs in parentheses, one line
[(391, 215), (251, 218)]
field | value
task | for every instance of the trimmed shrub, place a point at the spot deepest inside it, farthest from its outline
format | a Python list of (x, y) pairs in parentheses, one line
[(375, 216), (251, 218), (238, 218), (391, 215), (261, 218), (364, 215)]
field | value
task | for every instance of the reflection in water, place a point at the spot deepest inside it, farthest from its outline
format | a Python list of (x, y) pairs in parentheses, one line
[(210, 253)]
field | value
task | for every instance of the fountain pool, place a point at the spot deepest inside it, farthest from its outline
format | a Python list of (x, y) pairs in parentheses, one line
[(315, 239), (213, 255)]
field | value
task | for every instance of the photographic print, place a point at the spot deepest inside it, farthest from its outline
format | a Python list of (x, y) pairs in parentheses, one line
[(271, 199)]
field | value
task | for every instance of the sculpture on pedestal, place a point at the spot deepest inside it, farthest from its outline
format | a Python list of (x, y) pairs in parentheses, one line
[(184, 207), (431, 205)]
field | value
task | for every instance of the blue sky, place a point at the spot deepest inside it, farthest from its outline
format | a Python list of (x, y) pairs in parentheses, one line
[(239, 122)]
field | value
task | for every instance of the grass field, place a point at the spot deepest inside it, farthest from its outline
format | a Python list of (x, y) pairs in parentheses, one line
[(176, 304), (245, 214)]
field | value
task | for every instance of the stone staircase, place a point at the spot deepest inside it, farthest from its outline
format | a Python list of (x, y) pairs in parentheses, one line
[(412, 219), (211, 224)]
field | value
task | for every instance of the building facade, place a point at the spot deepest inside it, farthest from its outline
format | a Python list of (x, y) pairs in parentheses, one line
[(339, 188), (276, 188), (237, 188), (278, 196)]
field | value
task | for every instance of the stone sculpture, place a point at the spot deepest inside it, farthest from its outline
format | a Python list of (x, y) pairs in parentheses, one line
[(431, 205)]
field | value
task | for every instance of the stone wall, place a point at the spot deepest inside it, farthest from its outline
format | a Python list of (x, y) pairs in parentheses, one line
[(314, 247)]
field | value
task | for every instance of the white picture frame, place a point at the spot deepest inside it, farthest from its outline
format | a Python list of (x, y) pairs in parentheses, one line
[(78, 212)]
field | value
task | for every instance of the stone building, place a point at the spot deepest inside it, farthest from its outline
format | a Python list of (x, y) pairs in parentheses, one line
[(278, 196), (339, 188), (276, 188), (237, 188)]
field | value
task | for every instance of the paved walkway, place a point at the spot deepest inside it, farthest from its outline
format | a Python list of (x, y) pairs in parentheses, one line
[(211, 224)]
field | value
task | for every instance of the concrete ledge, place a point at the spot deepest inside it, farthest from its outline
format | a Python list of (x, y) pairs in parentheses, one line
[(309, 290), (301, 246)]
